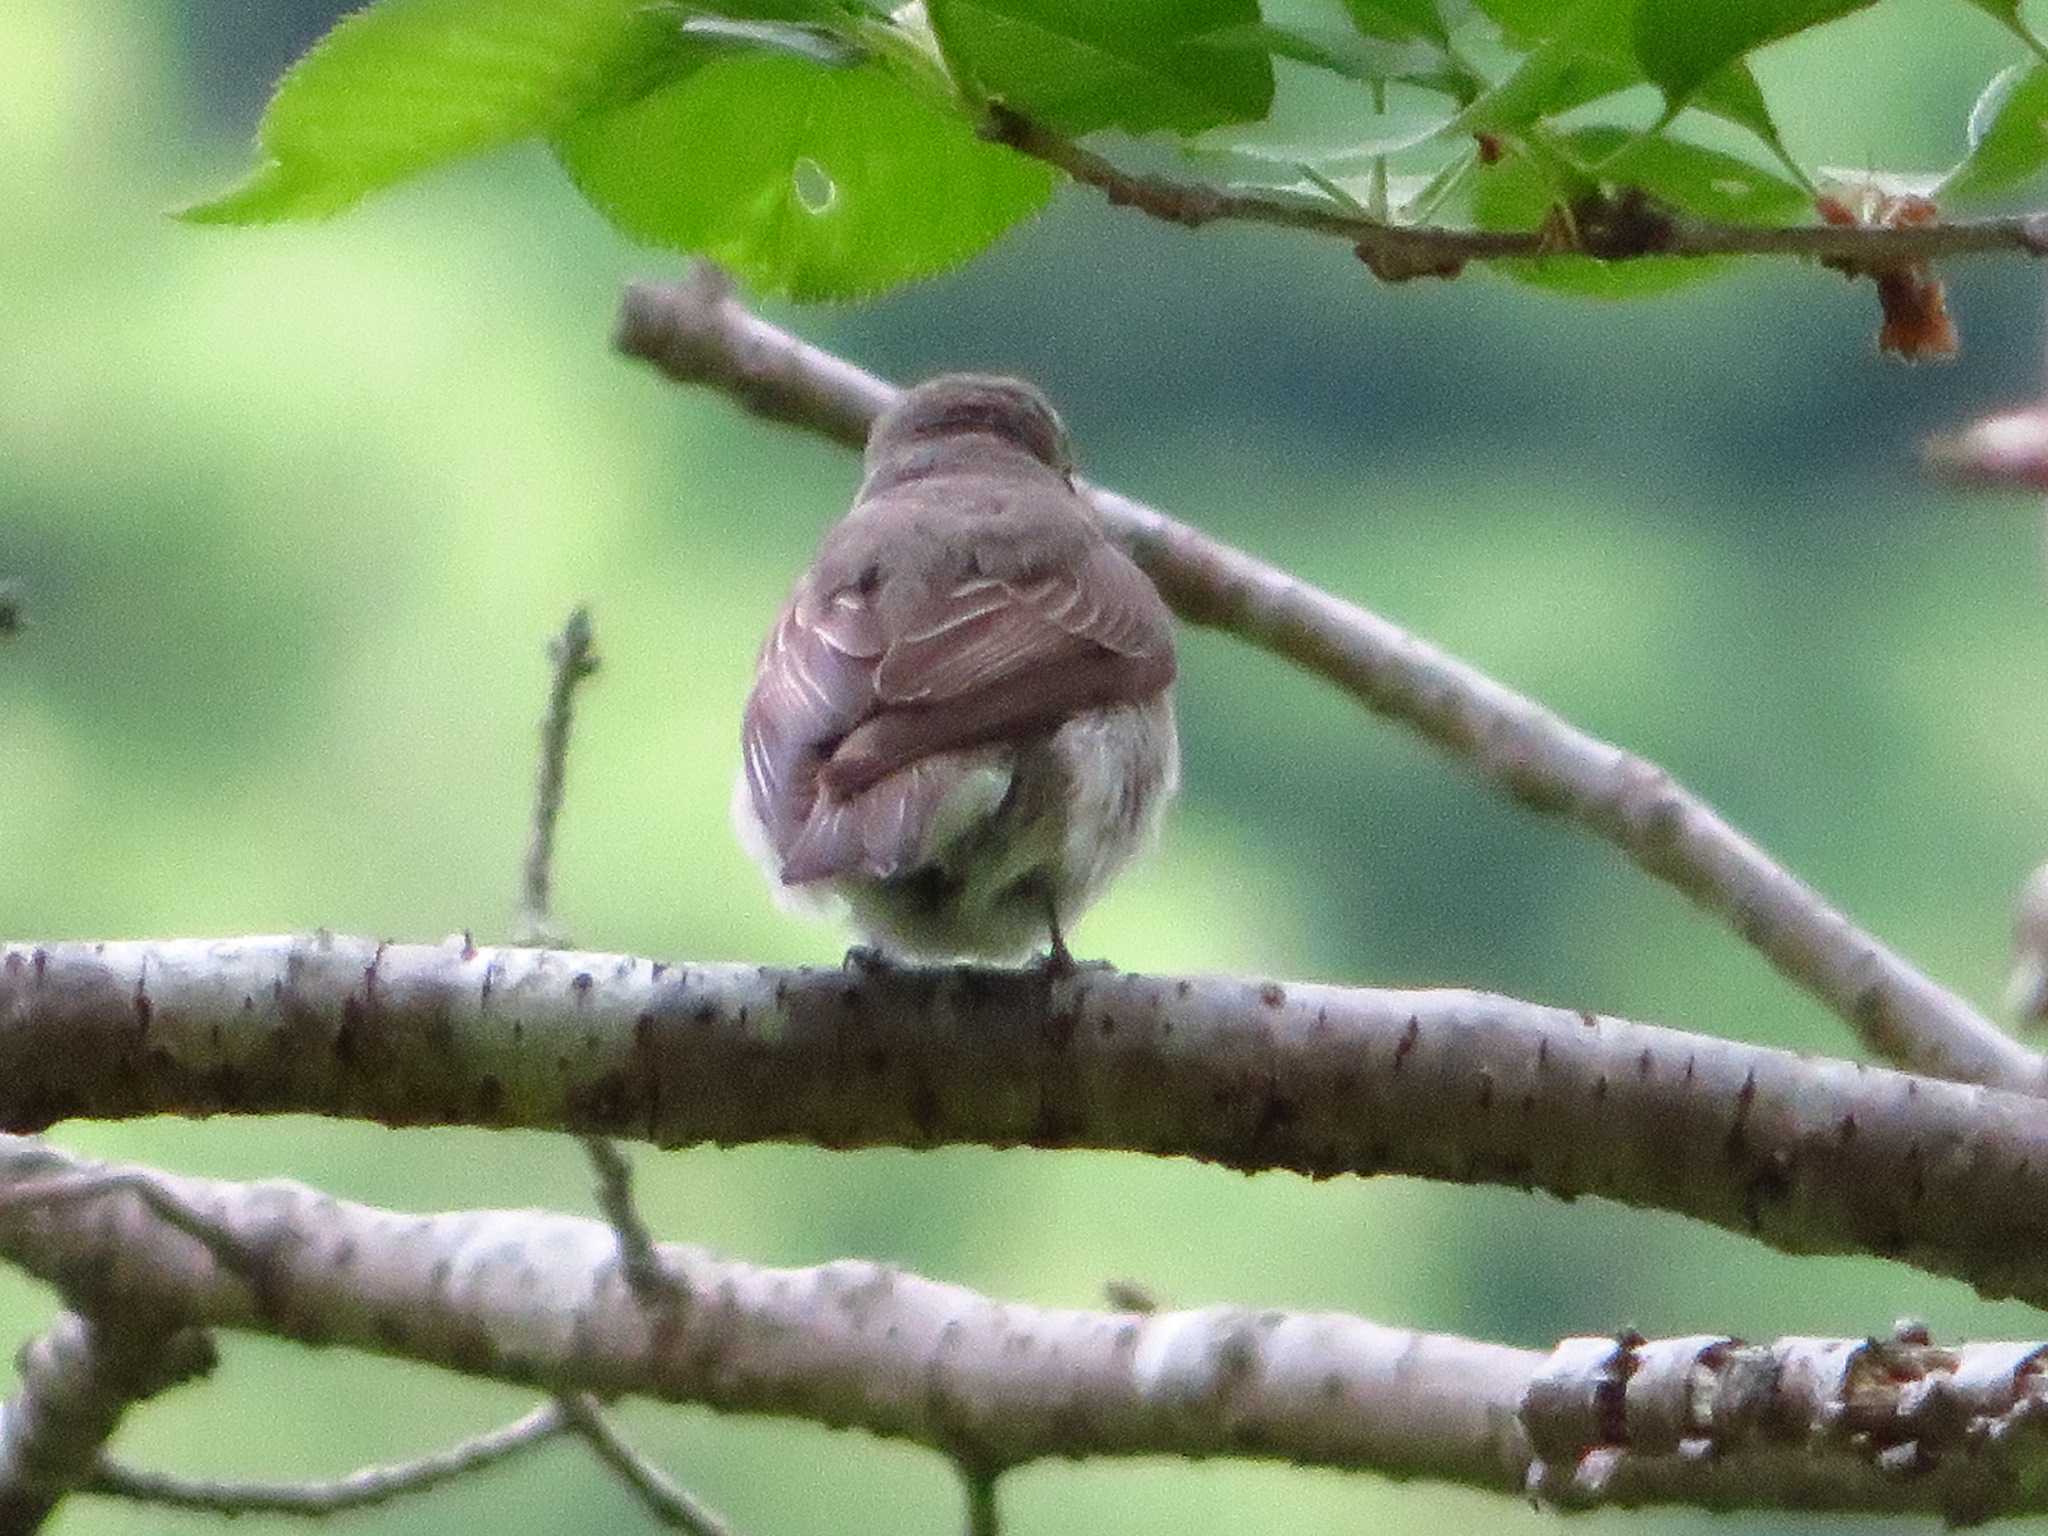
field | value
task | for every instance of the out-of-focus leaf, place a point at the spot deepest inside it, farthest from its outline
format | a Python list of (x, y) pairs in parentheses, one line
[(818, 44), (2007, 12), (2008, 136), (1528, 23), (1517, 194), (1395, 19), (1586, 57), (409, 84), (1080, 65), (1389, 135), (817, 183), (1734, 96), (1683, 44), (1341, 52)]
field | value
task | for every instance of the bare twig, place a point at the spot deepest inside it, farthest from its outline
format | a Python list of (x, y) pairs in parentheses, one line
[(984, 1516), (696, 333), (637, 1253), (360, 1489), (671, 1504), (1898, 1425), (1397, 251), (78, 1379), (1806, 1154), (574, 660)]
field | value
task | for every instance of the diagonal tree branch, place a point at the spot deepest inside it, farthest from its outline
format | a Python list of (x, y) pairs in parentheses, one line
[(695, 332), (1841, 1424), (1807, 1155), (78, 1379)]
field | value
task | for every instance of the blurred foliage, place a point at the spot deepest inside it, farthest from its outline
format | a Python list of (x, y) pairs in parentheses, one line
[(292, 513)]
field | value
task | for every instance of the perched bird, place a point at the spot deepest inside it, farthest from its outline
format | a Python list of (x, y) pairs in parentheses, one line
[(962, 723)]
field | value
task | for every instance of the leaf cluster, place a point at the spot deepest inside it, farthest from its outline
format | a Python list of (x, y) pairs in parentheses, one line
[(832, 149)]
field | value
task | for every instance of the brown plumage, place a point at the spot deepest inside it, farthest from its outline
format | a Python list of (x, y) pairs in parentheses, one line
[(962, 721)]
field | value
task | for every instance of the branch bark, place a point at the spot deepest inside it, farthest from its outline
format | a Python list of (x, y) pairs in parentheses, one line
[(1809, 1156), (78, 1380), (534, 1298), (1396, 251), (696, 333)]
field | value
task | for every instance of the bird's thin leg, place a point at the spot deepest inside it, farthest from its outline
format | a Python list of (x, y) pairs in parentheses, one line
[(1059, 960)]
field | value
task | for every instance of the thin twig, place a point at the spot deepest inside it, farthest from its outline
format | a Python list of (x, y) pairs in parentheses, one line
[(574, 660), (984, 1516), (1396, 251), (669, 1503), (360, 1489), (637, 1254), (696, 333)]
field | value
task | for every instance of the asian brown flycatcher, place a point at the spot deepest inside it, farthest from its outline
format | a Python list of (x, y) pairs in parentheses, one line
[(962, 722)]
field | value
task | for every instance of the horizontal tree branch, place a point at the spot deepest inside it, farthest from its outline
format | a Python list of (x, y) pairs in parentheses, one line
[(1397, 251), (1807, 1155), (534, 1298), (695, 332)]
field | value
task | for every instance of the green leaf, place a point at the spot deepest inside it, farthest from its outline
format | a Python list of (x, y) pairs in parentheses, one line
[(2008, 136), (2007, 13), (1527, 23), (1413, 61), (1734, 96), (1518, 194), (817, 183), (1683, 44), (1586, 57), (1398, 19), (1079, 65), (410, 84)]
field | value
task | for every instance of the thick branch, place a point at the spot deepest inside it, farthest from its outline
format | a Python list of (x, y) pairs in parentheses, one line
[(1810, 1156), (696, 333), (534, 1298), (78, 1380), (1395, 251)]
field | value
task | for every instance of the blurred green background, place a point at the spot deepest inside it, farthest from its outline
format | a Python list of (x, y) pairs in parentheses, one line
[(294, 512)]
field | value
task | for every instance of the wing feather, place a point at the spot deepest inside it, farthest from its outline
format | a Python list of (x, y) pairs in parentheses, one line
[(852, 712)]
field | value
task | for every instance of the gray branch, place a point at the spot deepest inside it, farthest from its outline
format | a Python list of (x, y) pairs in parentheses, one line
[(538, 1299), (1807, 1155), (695, 332), (78, 1379), (362, 1489)]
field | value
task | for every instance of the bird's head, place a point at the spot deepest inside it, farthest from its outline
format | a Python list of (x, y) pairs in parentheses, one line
[(969, 405)]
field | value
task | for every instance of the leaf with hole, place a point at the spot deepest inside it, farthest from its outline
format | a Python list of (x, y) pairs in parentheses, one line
[(813, 182)]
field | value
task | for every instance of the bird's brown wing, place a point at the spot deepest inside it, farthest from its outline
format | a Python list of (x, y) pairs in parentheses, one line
[(992, 660), (845, 730), (813, 682)]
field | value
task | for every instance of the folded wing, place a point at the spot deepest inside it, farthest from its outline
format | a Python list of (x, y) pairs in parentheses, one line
[(853, 736)]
